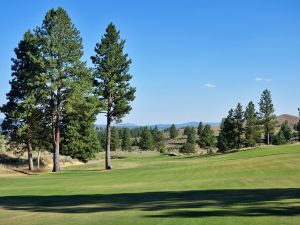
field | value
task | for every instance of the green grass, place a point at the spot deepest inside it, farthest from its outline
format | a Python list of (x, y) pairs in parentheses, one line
[(260, 186)]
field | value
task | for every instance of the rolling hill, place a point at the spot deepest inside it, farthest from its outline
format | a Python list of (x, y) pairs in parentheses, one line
[(290, 118)]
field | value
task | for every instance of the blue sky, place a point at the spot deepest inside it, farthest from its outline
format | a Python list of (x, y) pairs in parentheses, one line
[(192, 60)]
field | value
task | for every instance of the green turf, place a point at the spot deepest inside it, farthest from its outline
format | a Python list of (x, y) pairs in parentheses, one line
[(260, 186)]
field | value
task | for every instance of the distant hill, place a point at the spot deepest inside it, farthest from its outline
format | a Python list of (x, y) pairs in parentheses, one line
[(286, 117), (161, 126)]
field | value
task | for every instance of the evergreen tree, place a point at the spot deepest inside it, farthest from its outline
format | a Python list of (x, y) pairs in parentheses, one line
[(62, 49), (102, 138), (111, 80), (200, 129), (207, 138), (126, 140), (227, 135), (191, 136), (267, 114), (252, 127), (173, 132), (286, 131), (146, 140), (189, 146), (115, 139), (239, 125), (23, 114), (279, 138), (159, 140), (187, 130), (79, 136)]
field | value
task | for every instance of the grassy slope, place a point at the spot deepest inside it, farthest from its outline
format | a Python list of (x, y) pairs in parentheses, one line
[(259, 186)]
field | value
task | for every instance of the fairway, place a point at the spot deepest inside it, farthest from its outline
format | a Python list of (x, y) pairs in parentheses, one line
[(260, 186)]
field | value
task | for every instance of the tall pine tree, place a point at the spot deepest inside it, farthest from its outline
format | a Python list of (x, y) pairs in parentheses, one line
[(23, 114), (252, 126), (111, 81), (62, 49), (267, 115), (239, 125)]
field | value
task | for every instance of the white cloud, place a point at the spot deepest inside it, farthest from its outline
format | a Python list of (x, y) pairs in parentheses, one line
[(258, 79), (208, 85)]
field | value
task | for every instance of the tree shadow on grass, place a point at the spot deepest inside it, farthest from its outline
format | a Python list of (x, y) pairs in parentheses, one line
[(187, 204), (10, 161)]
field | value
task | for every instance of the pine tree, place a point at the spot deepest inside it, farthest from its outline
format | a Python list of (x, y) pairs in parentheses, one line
[(62, 49), (146, 140), (189, 146), (101, 137), (191, 136), (115, 139), (252, 127), (159, 139), (207, 138), (286, 130), (173, 132), (111, 80), (227, 135), (79, 136), (200, 129), (23, 115), (126, 140), (267, 114), (239, 124), (187, 130), (279, 138)]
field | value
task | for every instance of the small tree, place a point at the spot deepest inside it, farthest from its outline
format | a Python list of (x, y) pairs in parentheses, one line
[(267, 114), (111, 81), (187, 130), (252, 127), (173, 132), (146, 140), (189, 146), (159, 140), (279, 138), (200, 129), (287, 131), (207, 138), (115, 139), (101, 137), (126, 140), (239, 125)]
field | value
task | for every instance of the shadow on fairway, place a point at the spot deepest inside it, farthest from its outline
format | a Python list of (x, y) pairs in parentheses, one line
[(256, 202)]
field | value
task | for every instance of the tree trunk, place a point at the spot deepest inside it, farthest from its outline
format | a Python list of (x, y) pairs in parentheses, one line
[(107, 147), (268, 138), (38, 160), (30, 160), (56, 142)]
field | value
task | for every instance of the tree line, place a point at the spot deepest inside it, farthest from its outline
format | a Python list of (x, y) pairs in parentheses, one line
[(250, 127), (55, 98)]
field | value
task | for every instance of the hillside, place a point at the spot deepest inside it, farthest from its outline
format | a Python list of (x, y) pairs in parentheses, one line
[(259, 186), (290, 118)]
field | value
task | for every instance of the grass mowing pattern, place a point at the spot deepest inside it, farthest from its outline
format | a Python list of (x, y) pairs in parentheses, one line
[(260, 186)]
